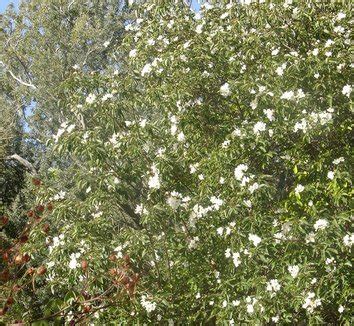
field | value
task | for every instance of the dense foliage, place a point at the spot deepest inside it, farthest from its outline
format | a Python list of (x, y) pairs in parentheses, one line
[(213, 180)]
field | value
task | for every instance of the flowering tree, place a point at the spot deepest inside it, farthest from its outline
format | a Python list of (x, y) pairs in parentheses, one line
[(213, 178)]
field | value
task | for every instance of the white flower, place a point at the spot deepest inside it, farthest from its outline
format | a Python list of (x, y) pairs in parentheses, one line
[(280, 69), (340, 309), (187, 45), (254, 104), (275, 319), (253, 187), (338, 160), (255, 239), (348, 240), (320, 224), (73, 262), (250, 308), (339, 29), (236, 259), (225, 90), (330, 175), (106, 97), (105, 44), (60, 195), (239, 171), (235, 303), (50, 264), (151, 41), (293, 270), (70, 128), (140, 209), (347, 89), (248, 203), (193, 243), (154, 181), (193, 168), (148, 305), (287, 95), (329, 42), (299, 188), (228, 253), (197, 296), (269, 113), (142, 123), (225, 144), (245, 180), (181, 137), (310, 238), (328, 53), (275, 51), (315, 52), (341, 15), (245, 2), (146, 69), (301, 125), (220, 230), (59, 133), (113, 140), (217, 202), (199, 28), (132, 53), (237, 133), (340, 67), (258, 127), (310, 303), (273, 285), (300, 94), (174, 200), (90, 98), (329, 261), (173, 129)]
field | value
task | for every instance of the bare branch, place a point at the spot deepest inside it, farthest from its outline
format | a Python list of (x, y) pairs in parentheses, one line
[(23, 161), (18, 79)]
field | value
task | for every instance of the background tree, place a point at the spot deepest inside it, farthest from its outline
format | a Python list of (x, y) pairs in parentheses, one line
[(41, 46)]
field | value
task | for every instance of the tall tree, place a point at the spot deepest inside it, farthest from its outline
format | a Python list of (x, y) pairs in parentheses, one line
[(44, 43)]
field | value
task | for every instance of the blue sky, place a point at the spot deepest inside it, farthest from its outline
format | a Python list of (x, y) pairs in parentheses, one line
[(5, 3), (196, 5)]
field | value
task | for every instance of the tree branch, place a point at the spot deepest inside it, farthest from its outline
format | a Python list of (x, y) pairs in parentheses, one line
[(18, 79), (23, 161)]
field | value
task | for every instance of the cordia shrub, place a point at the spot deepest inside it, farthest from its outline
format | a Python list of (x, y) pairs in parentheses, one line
[(212, 178)]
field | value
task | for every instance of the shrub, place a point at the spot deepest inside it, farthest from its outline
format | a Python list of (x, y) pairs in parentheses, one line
[(212, 174)]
